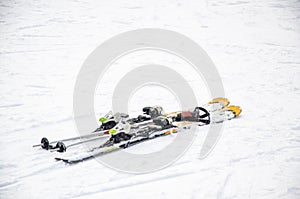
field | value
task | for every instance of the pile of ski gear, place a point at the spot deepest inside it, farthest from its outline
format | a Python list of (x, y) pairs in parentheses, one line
[(120, 131)]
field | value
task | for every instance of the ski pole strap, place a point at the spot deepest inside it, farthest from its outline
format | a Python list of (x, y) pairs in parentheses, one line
[(205, 117)]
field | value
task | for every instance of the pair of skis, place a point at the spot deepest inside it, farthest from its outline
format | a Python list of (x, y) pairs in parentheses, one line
[(218, 109), (218, 106)]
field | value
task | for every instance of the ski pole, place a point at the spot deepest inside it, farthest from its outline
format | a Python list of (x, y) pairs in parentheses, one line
[(99, 133), (62, 148)]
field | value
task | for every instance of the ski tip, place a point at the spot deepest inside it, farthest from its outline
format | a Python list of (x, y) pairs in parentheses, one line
[(62, 160), (59, 159), (69, 161)]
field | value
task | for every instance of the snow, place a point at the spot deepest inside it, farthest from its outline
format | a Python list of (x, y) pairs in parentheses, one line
[(254, 44)]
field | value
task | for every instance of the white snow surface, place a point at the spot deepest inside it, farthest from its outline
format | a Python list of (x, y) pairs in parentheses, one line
[(254, 44)]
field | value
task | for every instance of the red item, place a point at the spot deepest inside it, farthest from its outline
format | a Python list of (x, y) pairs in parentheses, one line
[(186, 114)]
